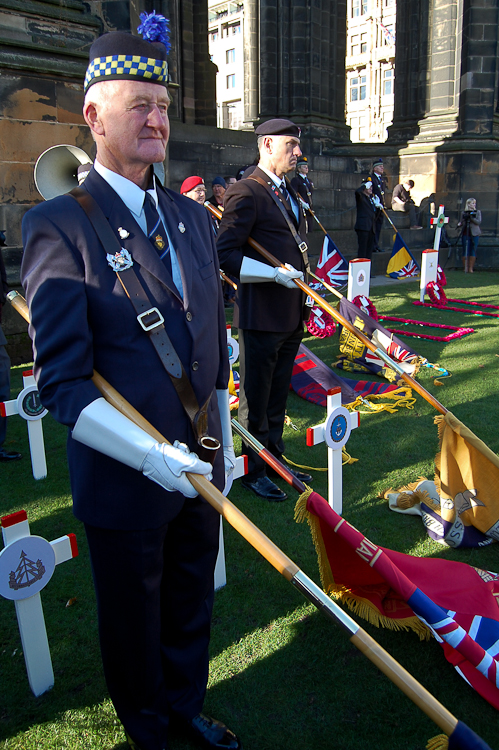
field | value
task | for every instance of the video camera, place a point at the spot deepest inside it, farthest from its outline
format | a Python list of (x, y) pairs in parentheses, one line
[(470, 214)]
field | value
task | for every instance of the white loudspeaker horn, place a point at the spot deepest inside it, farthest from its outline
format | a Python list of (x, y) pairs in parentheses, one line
[(56, 170)]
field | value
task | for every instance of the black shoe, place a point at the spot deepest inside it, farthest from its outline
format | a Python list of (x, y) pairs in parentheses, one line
[(263, 487), (298, 474), (9, 455), (212, 734)]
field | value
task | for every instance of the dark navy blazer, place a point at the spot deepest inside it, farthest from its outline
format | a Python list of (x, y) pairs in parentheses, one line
[(251, 211), (81, 320)]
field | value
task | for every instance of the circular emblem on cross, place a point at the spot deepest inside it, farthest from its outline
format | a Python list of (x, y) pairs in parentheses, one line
[(338, 428)]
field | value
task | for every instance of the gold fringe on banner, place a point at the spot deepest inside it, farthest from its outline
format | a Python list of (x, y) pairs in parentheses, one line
[(440, 742), (358, 604)]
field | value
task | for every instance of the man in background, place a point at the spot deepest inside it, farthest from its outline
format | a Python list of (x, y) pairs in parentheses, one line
[(270, 308), (194, 188), (402, 201), (218, 187), (304, 187), (378, 180), (365, 221)]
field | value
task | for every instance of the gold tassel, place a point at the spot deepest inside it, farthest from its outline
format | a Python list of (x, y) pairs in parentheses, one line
[(440, 742), (360, 606)]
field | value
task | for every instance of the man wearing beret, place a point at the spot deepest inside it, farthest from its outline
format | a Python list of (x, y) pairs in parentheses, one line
[(270, 308), (365, 221), (194, 188), (378, 180), (153, 541), (304, 187)]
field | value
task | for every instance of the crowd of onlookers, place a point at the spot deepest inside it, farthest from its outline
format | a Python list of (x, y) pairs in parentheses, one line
[(371, 203)]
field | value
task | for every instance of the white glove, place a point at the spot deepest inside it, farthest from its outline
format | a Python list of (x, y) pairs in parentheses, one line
[(376, 201), (253, 271), (304, 204), (107, 430), (227, 441), (285, 276), (166, 465)]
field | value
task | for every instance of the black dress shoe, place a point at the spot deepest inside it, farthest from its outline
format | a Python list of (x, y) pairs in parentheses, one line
[(211, 733), (9, 455), (263, 487), (301, 475)]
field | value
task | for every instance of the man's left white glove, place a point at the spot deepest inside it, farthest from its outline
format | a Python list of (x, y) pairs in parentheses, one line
[(107, 430), (227, 441), (376, 201), (253, 271)]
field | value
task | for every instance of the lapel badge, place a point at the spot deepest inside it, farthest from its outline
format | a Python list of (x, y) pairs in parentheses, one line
[(159, 242), (181, 227), (120, 261), (123, 233)]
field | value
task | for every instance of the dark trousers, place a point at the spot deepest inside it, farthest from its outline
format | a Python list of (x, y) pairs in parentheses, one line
[(154, 596), (4, 388), (265, 366), (366, 243), (378, 224)]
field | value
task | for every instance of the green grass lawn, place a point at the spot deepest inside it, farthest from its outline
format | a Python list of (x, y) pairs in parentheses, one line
[(282, 676)]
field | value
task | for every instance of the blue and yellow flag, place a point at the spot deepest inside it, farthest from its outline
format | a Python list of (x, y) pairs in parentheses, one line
[(401, 264)]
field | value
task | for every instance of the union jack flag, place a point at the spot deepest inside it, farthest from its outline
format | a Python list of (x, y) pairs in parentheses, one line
[(332, 266)]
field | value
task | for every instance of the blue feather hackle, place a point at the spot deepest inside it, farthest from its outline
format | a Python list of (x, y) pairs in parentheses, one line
[(155, 28)]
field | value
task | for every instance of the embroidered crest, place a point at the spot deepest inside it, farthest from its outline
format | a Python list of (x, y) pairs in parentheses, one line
[(159, 242), (181, 227), (120, 261), (123, 233)]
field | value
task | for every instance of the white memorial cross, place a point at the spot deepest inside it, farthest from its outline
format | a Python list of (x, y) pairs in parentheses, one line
[(429, 270), (240, 470), (359, 272), (29, 407), (335, 432), (26, 566), (438, 224)]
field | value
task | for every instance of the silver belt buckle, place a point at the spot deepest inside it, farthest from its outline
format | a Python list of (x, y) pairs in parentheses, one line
[(303, 247), (151, 326)]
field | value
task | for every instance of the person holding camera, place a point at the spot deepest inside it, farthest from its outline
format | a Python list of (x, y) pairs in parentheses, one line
[(471, 219)]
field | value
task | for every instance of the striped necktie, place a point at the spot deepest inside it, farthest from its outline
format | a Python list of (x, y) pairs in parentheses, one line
[(284, 191), (156, 232)]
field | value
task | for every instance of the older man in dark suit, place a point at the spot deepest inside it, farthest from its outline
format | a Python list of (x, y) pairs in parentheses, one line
[(366, 220), (153, 552), (270, 309)]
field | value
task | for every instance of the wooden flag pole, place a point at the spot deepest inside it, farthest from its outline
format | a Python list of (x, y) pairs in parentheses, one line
[(281, 562), (345, 323)]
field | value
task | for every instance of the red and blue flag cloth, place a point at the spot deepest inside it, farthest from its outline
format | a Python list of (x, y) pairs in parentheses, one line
[(356, 357), (332, 266), (312, 379), (402, 264), (455, 602)]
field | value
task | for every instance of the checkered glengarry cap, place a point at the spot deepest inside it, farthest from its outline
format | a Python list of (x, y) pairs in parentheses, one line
[(119, 55)]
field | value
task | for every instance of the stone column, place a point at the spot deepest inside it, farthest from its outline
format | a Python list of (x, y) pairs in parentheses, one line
[(302, 65), (251, 61), (445, 126), (445, 70)]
